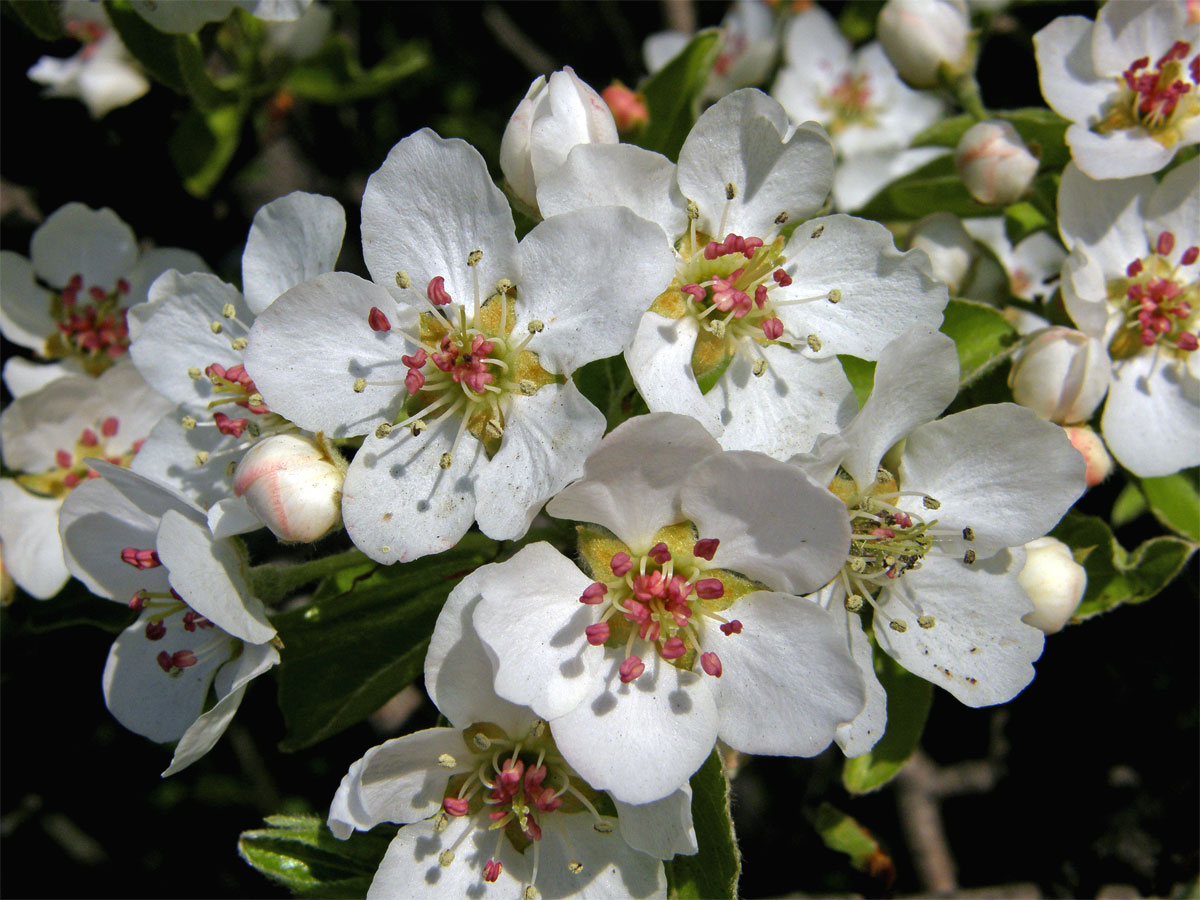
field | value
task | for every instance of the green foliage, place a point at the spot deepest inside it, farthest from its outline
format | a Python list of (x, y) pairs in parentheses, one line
[(38, 16), (908, 700), (301, 854), (1043, 130), (714, 871), (336, 76), (1023, 219), (609, 386), (983, 337), (857, 20), (673, 94), (1116, 575), (1129, 505), (935, 187), (845, 835), (154, 50), (1175, 501), (203, 146), (861, 375), (345, 654)]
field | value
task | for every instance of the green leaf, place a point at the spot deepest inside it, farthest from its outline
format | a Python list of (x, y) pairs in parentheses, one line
[(300, 853), (1115, 575), (861, 375), (149, 46), (335, 75), (908, 701), (1175, 501), (344, 656), (857, 20), (673, 94), (934, 187), (609, 386), (1043, 130), (982, 335), (1130, 504), (39, 16), (845, 835), (714, 871), (203, 146), (1023, 219), (195, 76)]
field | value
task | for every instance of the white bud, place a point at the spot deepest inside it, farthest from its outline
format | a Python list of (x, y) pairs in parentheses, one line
[(1062, 375), (1054, 582), (1095, 455), (294, 485), (554, 117), (921, 36), (994, 162), (950, 249)]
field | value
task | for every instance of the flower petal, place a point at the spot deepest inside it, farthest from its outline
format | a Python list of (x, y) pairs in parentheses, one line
[(76, 240), (610, 867), (153, 263), (33, 553), (660, 361), (25, 314), (662, 828), (1151, 419), (1069, 81), (292, 239), (1120, 154)]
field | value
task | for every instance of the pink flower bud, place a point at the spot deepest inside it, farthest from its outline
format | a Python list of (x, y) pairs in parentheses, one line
[(994, 162), (294, 485), (628, 109)]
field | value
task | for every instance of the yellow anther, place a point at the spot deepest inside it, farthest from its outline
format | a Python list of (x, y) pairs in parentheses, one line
[(188, 422), (835, 295), (238, 343), (215, 327), (575, 867), (445, 858), (898, 625), (474, 257), (969, 557), (446, 461), (730, 191), (535, 326), (360, 385), (693, 209), (930, 503), (530, 893), (402, 279), (782, 218), (817, 232), (926, 621), (854, 603), (494, 428), (814, 343), (446, 761), (231, 467), (201, 457), (417, 427), (717, 327), (968, 534), (194, 372), (528, 387), (228, 311), (383, 430), (504, 286), (603, 827), (480, 740), (441, 822), (255, 399), (760, 367)]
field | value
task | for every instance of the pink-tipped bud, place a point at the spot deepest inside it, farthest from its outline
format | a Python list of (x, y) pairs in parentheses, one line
[(706, 548), (631, 669), (492, 870), (88, 438), (621, 563), (994, 162), (711, 663), (597, 634), (1190, 255), (64, 459), (1165, 244), (378, 320), (1099, 464), (155, 630), (628, 109), (672, 648), (773, 329), (659, 553), (455, 806), (140, 559), (594, 593), (294, 486), (437, 293), (734, 627), (710, 588)]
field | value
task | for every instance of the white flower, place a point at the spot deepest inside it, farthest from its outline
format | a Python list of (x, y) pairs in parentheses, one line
[(994, 162), (940, 511), (744, 336), (1131, 281), (102, 74), (189, 342), (497, 761), (951, 250), (186, 16), (552, 118), (458, 371), (1054, 582), (1061, 374), (47, 434), (69, 299), (1031, 267), (201, 629), (293, 484), (686, 627), (925, 39), (870, 115), (1126, 83)]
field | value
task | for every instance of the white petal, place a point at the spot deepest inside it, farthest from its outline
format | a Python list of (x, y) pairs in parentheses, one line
[(532, 620), (169, 456), (292, 239), (660, 361), (327, 316), (23, 376), (662, 828), (862, 732), (978, 649), (787, 679), (25, 313), (662, 47), (1105, 217), (1175, 207), (1151, 420), (33, 553), (429, 206), (666, 718), (33, 427), (1068, 79), (631, 484), (1131, 30), (1123, 153), (1085, 293), (999, 469), (861, 177), (76, 240), (232, 516), (547, 437), (611, 868), (153, 263), (740, 141), (588, 275), (147, 497), (816, 45), (616, 175), (208, 574)]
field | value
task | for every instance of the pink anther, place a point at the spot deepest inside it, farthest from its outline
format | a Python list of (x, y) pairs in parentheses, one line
[(414, 380), (511, 773), (749, 245), (711, 663), (659, 553), (64, 459), (1187, 341), (631, 669), (164, 660), (1165, 244), (123, 286), (710, 588), (228, 426), (594, 593), (760, 296), (648, 586), (491, 870), (455, 806), (697, 292), (183, 659), (773, 329), (621, 563), (138, 601), (782, 278), (417, 360), (649, 630), (97, 293), (597, 634), (140, 559), (154, 630), (76, 283), (1134, 268), (71, 479), (734, 627), (1190, 255), (706, 548), (884, 534), (109, 426), (378, 320), (437, 293), (672, 648), (88, 438)]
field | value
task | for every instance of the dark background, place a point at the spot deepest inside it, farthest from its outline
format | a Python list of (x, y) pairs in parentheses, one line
[(1093, 767)]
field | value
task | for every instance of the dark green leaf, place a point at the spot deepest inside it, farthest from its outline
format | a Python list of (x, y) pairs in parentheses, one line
[(203, 146), (845, 835), (335, 75), (344, 656), (39, 16), (908, 701), (857, 20), (982, 335), (1116, 576), (609, 386), (714, 871), (300, 853), (673, 94), (1043, 130), (149, 46), (1023, 219), (1130, 504), (934, 187), (194, 75), (861, 374), (1175, 501)]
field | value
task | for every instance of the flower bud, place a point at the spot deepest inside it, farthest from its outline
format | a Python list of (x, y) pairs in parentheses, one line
[(922, 36), (294, 485), (994, 162), (1062, 375), (554, 117), (950, 248), (628, 109), (1054, 582), (1095, 455)]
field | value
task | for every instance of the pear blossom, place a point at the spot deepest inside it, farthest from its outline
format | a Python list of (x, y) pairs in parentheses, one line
[(1129, 82), (102, 74), (1132, 281), (456, 361), (1031, 267), (69, 299), (46, 436), (189, 342), (491, 800), (684, 625), (857, 96), (200, 628), (940, 512)]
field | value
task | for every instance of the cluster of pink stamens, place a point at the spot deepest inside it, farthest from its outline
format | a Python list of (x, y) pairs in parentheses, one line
[(658, 605), (163, 605), (98, 326), (70, 464), (1157, 309), (733, 243), (236, 382), (1159, 90), (739, 294)]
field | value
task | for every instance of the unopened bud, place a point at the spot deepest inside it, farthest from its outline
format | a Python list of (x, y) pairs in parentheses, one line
[(1054, 582), (994, 162), (1062, 375), (294, 485), (628, 109), (923, 37), (1095, 455)]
